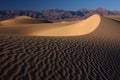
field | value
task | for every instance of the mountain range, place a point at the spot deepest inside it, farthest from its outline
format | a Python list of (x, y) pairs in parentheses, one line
[(56, 14)]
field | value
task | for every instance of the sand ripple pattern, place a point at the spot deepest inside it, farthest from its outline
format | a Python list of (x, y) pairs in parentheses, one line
[(45, 58)]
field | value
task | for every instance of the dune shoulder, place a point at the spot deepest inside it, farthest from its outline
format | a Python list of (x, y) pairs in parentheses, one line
[(22, 20)]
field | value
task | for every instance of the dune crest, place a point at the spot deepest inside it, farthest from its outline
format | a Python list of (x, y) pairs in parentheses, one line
[(79, 28)]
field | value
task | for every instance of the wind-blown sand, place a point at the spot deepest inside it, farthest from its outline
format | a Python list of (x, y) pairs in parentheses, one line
[(79, 28), (70, 29), (94, 55), (114, 17), (22, 20)]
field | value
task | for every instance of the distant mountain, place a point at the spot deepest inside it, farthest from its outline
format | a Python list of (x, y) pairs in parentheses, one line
[(56, 14)]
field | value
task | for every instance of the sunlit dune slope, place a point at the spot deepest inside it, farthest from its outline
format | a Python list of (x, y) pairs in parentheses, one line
[(78, 28), (53, 29)]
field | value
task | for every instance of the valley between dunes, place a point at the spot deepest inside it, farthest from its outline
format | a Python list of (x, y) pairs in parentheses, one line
[(33, 49)]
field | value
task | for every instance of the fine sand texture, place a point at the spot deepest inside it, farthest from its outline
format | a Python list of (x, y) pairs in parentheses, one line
[(92, 55)]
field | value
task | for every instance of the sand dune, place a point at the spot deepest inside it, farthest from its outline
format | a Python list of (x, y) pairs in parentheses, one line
[(114, 17), (22, 20), (94, 23), (98, 25), (108, 28), (94, 55), (79, 28), (57, 29)]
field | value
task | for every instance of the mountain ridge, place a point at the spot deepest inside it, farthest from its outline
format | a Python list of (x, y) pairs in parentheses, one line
[(56, 14)]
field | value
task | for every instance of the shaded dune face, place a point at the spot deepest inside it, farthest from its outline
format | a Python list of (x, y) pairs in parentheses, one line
[(22, 20), (114, 17), (108, 28)]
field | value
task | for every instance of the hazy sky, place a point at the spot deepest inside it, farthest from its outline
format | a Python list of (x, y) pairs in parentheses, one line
[(59, 4)]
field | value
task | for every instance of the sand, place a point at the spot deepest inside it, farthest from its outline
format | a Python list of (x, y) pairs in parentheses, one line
[(90, 56), (89, 24), (22, 20), (80, 28), (114, 17)]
